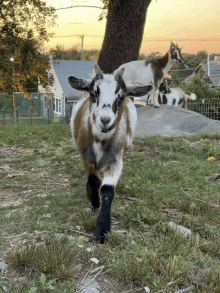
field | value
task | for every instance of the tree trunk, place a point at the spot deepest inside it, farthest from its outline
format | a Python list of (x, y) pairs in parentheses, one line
[(123, 34)]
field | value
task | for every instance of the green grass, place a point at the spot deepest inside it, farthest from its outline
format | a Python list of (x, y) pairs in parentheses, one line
[(170, 180)]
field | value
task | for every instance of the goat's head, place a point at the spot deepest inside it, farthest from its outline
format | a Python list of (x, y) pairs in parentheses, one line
[(107, 93), (163, 88), (175, 53)]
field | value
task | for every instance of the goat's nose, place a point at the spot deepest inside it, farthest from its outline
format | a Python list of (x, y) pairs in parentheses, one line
[(105, 120)]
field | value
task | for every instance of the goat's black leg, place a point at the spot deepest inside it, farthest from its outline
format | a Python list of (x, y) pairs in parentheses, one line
[(92, 187), (103, 224)]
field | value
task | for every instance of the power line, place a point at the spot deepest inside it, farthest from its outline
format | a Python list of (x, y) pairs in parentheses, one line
[(146, 39), (85, 6)]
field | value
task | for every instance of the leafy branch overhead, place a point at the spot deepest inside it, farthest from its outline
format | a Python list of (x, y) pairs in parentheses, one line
[(23, 32)]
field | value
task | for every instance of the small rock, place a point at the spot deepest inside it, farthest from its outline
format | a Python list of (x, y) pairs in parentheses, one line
[(121, 231), (147, 289), (78, 267), (131, 198), (200, 276), (86, 239), (95, 260), (3, 265), (90, 249), (182, 230), (215, 176), (187, 290), (91, 288)]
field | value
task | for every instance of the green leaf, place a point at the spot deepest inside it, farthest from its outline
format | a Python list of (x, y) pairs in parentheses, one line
[(43, 279), (51, 282), (33, 290)]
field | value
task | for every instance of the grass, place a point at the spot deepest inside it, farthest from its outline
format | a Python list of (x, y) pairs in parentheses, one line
[(169, 179)]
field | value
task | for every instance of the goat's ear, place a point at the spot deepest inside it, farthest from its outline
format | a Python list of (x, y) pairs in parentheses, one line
[(98, 72), (119, 73), (172, 45), (79, 84), (138, 91)]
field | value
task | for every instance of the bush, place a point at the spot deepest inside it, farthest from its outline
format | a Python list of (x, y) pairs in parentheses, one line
[(208, 99)]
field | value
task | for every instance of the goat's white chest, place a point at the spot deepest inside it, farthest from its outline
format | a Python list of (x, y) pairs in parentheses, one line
[(97, 148)]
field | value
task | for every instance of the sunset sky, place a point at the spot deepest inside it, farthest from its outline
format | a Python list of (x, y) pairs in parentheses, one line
[(193, 24)]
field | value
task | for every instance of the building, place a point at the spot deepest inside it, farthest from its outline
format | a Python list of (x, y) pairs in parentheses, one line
[(64, 96), (208, 72)]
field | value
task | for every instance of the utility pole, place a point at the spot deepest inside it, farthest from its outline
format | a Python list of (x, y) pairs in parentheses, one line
[(13, 94), (82, 40)]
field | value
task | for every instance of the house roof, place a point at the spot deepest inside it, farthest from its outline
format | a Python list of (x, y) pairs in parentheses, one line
[(214, 71), (77, 68)]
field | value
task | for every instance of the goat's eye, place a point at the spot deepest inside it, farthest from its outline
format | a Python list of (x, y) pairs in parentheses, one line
[(93, 97), (121, 98)]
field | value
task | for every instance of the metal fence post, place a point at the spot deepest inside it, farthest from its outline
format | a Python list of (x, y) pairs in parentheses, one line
[(48, 113), (17, 115), (30, 118), (3, 117)]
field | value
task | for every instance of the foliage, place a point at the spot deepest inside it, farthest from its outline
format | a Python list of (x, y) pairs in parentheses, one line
[(60, 53), (201, 90), (73, 53), (23, 32), (207, 102)]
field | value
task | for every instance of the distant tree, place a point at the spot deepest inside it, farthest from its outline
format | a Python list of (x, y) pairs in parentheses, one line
[(142, 57), (202, 56), (153, 55), (124, 32), (60, 53), (22, 33)]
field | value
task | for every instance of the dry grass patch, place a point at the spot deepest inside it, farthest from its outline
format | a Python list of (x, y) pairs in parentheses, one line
[(54, 257)]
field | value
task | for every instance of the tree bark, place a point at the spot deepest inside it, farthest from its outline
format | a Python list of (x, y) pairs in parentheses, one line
[(123, 33)]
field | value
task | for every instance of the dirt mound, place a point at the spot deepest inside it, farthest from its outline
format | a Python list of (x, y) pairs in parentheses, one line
[(169, 120)]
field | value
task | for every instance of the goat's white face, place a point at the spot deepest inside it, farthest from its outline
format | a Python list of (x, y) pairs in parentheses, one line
[(107, 93), (175, 53), (105, 102)]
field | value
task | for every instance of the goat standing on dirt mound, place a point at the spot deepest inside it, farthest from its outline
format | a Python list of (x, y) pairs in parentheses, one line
[(151, 71), (102, 125)]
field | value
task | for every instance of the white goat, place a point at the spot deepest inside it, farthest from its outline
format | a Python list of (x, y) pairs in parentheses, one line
[(177, 97), (103, 124), (151, 71)]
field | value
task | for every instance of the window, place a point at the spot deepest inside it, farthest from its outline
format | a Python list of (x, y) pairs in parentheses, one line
[(57, 106)]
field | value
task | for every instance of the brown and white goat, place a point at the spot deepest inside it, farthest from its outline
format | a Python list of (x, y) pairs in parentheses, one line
[(151, 71), (103, 124)]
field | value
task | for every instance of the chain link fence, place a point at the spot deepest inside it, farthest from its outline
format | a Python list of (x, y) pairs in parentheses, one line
[(27, 116), (207, 107)]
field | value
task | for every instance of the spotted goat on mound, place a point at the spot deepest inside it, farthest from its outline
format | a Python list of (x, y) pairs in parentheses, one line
[(143, 72), (173, 96), (103, 124)]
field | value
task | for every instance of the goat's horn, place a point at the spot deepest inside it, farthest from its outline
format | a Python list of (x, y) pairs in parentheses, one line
[(98, 71), (120, 73)]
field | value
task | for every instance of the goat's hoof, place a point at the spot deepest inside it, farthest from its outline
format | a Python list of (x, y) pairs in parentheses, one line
[(100, 240), (95, 209), (157, 106)]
